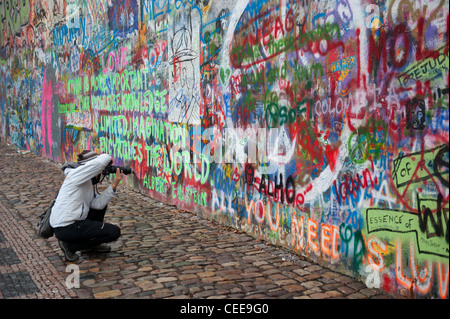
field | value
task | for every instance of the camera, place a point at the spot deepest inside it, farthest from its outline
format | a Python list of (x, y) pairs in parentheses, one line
[(111, 169)]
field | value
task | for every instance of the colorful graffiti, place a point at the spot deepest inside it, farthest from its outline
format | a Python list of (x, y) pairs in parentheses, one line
[(319, 126)]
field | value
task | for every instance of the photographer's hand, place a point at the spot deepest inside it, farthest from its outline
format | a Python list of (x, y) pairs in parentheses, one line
[(117, 179)]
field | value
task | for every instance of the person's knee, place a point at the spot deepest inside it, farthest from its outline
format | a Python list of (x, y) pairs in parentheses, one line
[(115, 232)]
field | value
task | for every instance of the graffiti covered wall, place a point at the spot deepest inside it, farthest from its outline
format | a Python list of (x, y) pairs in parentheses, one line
[(319, 126)]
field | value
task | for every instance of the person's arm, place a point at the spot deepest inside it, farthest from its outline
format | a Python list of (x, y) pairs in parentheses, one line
[(89, 170), (100, 201)]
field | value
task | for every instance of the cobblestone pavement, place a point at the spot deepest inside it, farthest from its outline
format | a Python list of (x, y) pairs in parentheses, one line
[(163, 252)]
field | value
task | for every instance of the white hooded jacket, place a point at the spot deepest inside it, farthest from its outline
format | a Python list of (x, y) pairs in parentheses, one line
[(76, 195)]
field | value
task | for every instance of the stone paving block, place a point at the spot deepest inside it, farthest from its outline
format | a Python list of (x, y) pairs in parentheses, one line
[(277, 293), (335, 294), (8, 257), (312, 291), (344, 279), (368, 292), (356, 295), (149, 285), (320, 295), (332, 286), (17, 284), (203, 294), (294, 288), (357, 285), (311, 284), (346, 290), (2, 238), (313, 276), (108, 294), (166, 279), (301, 272), (163, 293)]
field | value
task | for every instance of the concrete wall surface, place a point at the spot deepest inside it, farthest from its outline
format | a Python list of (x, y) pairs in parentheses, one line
[(319, 126)]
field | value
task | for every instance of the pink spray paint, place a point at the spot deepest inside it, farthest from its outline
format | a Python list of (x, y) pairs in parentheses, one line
[(47, 93)]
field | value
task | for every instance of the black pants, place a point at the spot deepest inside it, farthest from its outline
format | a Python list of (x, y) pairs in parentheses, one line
[(87, 233)]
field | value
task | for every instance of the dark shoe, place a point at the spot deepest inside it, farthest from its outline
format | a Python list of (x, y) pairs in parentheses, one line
[(70, 256), (97, 249)]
